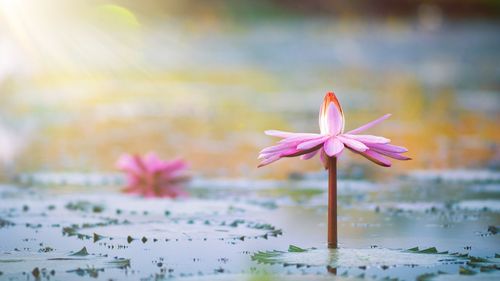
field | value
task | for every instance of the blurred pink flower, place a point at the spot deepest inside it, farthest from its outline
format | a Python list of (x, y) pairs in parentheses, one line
[(152, 177), (332, 140)]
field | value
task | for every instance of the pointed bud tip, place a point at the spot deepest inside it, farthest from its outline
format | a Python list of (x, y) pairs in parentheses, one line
[(329, 98)]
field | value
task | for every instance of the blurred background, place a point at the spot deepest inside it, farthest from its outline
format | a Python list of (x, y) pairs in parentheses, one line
[(82, 82)]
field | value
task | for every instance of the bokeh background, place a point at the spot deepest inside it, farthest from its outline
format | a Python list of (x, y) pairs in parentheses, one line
[(82, 82)]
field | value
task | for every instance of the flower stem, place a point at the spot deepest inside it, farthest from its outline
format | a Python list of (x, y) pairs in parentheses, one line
[(332, 202)]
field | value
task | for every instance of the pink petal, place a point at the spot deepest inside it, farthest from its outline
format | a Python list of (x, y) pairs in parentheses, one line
[(333, 147), (290, 152), (367, 138), (268, 155), (334, 118), (309, 155), (391, 154), (299, 139), (330, 121), (276, 148), (152, 162), (127, 163), (375, 158), (369, 125), (298, 152), (174, 168), (269, 161), (354, 144), (281, 153), (312, 143), (388, 147)]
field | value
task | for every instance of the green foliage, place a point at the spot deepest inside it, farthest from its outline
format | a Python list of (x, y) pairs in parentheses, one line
[(466, 271), (83, 252), (84, 206), (295, 249)]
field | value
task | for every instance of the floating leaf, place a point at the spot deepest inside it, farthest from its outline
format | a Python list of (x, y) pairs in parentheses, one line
[(356, 257), (97, 237), (466, 271), (490, 276), (61, 263), (431, 250), (83, 252), (295, 249)]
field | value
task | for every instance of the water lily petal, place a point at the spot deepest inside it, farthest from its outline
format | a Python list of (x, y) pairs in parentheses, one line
[(331, 116), (174, 168), (366, 139), (128, 163), (269, 161), (388, 147), (309, 155), (275, 148), (333, 147), (299, 139), (393, 155), (312, 143), (334, 118), (352, 143), (375, 157), (369, 125), (290, 151)]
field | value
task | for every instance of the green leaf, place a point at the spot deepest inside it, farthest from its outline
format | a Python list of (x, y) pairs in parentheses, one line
[(97, 237), (477, 259), (295, 249), (431, 250), (83, 252), (466, 271), (351, 258), (425, 276)]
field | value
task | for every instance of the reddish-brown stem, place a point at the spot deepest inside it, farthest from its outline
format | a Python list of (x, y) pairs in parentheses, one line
[(332, 202)]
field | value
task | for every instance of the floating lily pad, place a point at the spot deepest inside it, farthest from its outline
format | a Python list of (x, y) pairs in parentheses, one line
[(269, 277), (483, 276), (479, 205), (404, 207), (348, 258), (182, 230), (4, 223), (17, 262)]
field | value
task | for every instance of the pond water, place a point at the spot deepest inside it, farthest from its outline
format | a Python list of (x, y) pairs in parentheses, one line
[(252, 230)]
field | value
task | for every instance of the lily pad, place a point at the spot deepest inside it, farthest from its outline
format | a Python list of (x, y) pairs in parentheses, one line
[(268, 277), (350, 258), (26, 261), (484, 276), (182, 230), (479, 205)]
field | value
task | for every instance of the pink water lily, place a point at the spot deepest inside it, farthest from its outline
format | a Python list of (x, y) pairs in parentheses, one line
[(150, 176), (332, 140)]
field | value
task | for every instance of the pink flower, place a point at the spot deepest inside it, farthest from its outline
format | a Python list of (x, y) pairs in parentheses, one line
[(332, 140), (152, 177)]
